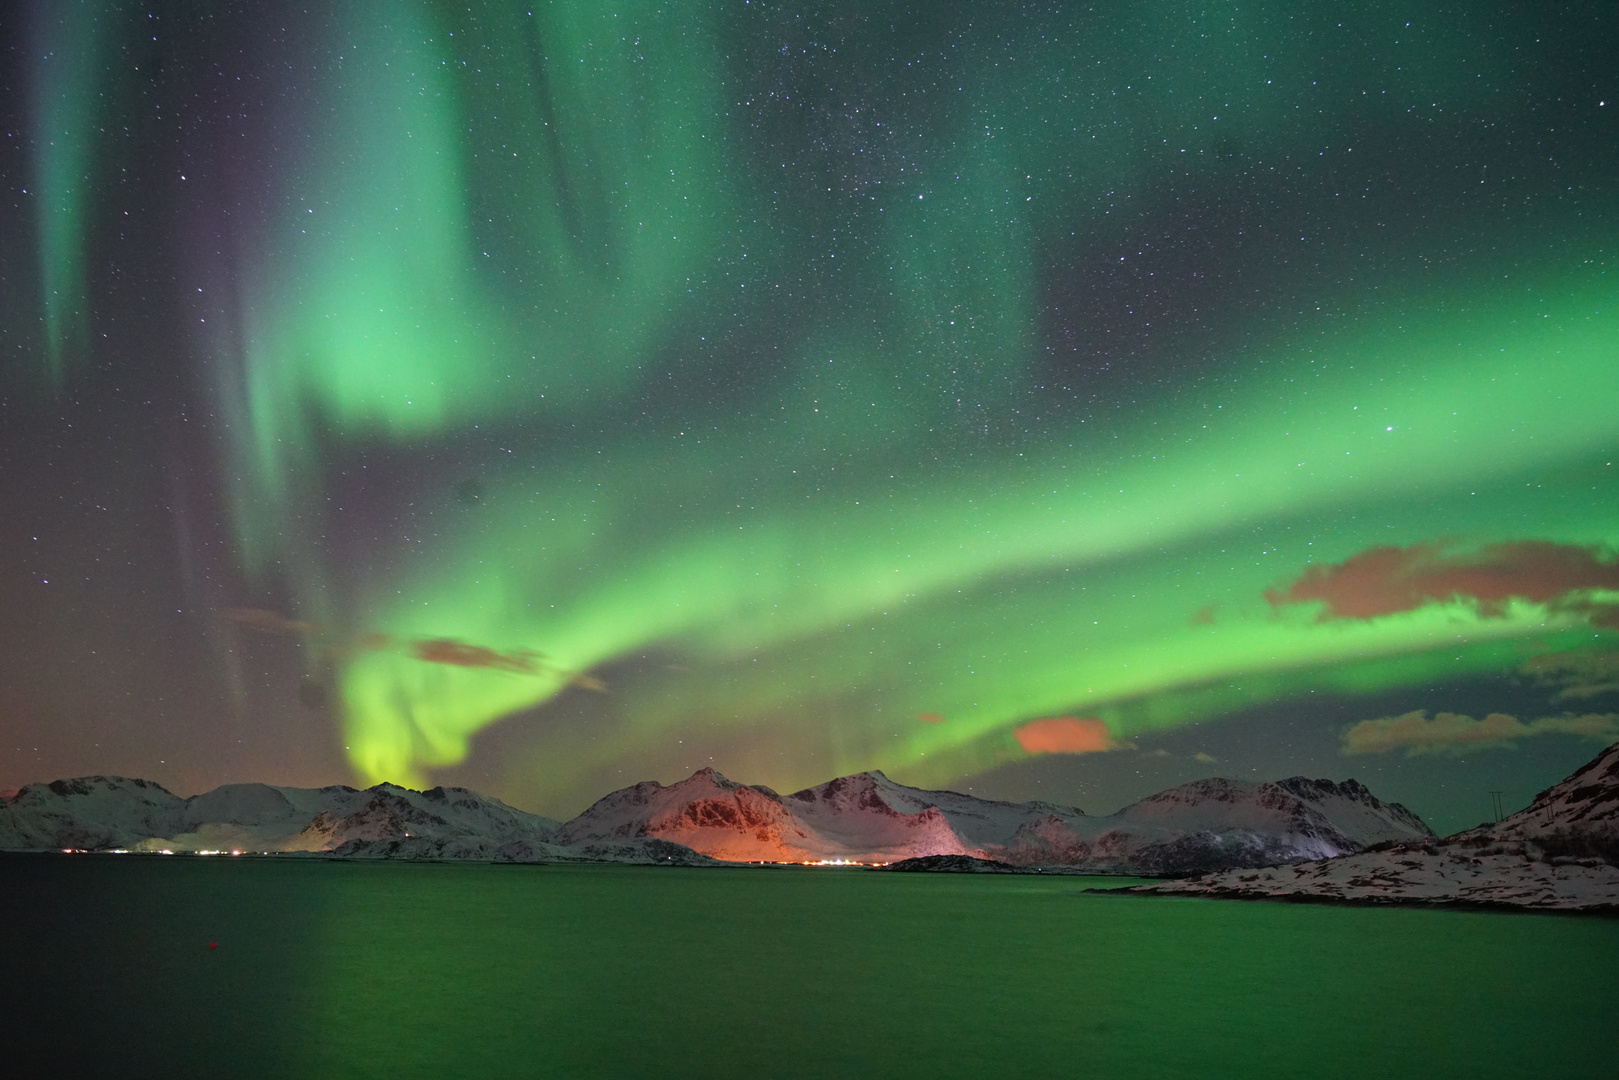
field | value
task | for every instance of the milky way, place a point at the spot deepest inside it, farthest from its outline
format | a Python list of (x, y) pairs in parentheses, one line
[(646, 386)]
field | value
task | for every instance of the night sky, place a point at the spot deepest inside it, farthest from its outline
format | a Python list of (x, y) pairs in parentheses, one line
[(1047, 401)]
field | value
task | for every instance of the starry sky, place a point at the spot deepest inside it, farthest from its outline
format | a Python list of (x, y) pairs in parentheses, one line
[(1045, 401)]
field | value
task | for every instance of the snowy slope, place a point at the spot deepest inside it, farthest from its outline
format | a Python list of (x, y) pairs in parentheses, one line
[(447, 822), (112, 812), (1558, 854), (1586, 803), (1209, 824), (88, 812), (869, 816)]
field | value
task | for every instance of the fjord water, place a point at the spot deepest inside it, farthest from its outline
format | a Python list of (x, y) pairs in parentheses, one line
[(347, 969)]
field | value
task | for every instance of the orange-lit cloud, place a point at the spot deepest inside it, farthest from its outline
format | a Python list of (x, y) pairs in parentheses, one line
[(1204, 615), (1415, 733), (1066, 735), (1387, 580), (930, 718)]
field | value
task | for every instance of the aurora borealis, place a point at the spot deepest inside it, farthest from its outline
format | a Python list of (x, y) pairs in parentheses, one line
[(550, 397)]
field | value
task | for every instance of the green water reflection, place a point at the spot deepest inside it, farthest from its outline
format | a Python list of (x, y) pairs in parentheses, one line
[(333, 969)]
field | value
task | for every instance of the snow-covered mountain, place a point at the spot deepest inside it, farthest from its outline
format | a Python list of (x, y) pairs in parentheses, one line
[(386, 821), (705, 812), (90, 812), (1215, 823), (1560, 853), (864, 818), (869, 818)]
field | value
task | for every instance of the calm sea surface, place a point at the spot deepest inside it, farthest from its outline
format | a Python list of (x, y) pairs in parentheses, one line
[(400, 970)]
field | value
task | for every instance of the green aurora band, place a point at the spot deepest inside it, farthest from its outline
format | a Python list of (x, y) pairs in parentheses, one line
[(68, 69), (766, 428), (975, 591)]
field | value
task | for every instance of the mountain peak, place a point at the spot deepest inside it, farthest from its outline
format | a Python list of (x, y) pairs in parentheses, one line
[(708, 775)]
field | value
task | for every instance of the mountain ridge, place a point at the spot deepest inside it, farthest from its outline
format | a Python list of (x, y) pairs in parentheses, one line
[(863, 818), (867, 817)]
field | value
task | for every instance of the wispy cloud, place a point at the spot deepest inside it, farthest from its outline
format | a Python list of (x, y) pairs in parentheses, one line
[(1416, 733)]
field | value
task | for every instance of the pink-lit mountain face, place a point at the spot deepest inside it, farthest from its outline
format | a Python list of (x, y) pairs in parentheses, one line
[(1559, 853), (869, 818)]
